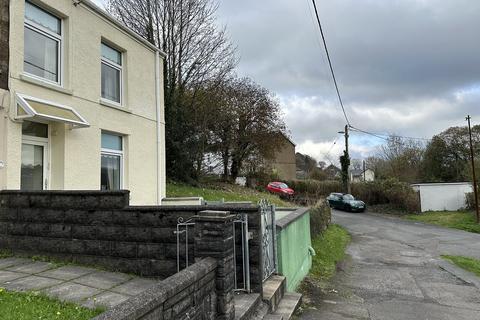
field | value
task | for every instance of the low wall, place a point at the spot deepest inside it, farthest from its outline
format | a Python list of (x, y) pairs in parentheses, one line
[(293, 246), (100, 228), (189, 294)]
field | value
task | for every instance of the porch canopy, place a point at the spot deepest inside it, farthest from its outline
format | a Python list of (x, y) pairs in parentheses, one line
[(30, 107)]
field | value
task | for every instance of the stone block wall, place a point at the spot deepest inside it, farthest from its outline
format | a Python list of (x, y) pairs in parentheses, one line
[(100, 228), (189, 294)]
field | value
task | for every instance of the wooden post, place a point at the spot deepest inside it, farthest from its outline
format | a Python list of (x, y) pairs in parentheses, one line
[(472, 155)]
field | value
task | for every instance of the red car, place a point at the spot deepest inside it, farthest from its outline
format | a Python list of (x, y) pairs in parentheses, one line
[(280, 188)]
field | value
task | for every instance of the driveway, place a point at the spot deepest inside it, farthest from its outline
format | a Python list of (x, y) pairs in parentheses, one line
[(394, 272)]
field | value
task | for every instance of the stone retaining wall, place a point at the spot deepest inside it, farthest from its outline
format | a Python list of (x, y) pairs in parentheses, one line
[(100, 228)]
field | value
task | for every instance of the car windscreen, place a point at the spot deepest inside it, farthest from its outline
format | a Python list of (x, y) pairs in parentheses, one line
[(282, 186), (348, 197)]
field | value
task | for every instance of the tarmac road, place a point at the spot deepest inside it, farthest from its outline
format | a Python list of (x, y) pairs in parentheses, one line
[(394, 272)]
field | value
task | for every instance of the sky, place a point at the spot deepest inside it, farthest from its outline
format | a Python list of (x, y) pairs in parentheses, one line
[(407, 67)]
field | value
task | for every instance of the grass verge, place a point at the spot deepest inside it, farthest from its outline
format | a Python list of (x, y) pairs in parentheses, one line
[(458, 220), (469, 264), (330, 249), (32, 305), (227, 192)]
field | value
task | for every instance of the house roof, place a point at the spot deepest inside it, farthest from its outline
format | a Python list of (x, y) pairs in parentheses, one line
[(105, 15), (288, 139)]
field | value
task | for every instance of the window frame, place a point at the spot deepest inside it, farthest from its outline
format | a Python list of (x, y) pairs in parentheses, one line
[(113, 152), (59, 38), (115, 66), (47, 156)]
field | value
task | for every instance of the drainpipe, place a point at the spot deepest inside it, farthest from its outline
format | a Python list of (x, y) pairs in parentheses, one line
[(159, 124)]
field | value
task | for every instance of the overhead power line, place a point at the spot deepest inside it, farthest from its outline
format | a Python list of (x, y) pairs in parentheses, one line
[(386, 136), (330, 62)]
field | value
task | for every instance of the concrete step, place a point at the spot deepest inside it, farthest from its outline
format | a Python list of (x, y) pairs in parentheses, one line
[(289, 304), (273, 290), (246, 305)]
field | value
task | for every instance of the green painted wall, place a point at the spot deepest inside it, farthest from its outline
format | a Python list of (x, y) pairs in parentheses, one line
[(293, 243)]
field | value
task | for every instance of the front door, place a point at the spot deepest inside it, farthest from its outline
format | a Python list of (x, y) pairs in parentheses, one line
[(34, 170)]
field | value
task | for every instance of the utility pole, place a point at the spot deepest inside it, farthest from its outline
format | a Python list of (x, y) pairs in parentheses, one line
[(473, 169), (364, 171), (349, 188)]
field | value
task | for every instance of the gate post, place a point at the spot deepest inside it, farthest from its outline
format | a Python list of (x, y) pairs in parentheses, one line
[(214, 238)]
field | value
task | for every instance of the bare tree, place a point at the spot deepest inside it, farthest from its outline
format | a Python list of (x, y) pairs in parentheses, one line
[(197, 51)]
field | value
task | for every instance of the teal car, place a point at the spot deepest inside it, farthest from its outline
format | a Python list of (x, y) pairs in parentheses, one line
[(345, 202)]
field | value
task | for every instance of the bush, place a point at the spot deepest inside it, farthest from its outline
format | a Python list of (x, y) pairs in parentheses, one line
[(470, 201), (397, 194), (390, 192), (320, 218), (310, 191)]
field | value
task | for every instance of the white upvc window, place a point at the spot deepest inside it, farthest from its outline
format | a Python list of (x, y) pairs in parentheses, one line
[(112, 158), (43, 41), (112, 74)]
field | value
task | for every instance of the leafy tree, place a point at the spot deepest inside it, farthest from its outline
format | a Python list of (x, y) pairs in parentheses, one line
[(447, 157), (197, 51)]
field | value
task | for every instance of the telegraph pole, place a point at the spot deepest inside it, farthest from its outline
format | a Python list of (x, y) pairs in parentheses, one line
[(473, 169), (349, 188)]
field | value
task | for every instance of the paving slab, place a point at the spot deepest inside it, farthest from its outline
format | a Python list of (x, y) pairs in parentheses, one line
[(31, 283), (12, 261), (32, 267), (71, 292), (7, 276), (106, 299), (67, 272), (103, 280), (134, 286)]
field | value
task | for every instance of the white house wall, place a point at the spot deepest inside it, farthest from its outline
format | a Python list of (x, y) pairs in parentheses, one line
[(75, 154)]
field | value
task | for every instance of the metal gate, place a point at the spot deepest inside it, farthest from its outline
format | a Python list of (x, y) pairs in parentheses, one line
[(241, 256), (269, 250)]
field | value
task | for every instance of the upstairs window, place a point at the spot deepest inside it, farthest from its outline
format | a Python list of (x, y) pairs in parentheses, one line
[(111, 74), (43, 44)]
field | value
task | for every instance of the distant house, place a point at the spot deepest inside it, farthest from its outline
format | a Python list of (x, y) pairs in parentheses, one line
[(284, 164), (360, 175), (333, 172)]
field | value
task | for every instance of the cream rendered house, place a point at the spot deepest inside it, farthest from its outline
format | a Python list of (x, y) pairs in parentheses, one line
[(83, 106)]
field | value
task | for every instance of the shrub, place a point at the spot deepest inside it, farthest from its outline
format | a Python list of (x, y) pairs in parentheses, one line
[(314, 189), (396, 194), (470, 197), (320, 217)]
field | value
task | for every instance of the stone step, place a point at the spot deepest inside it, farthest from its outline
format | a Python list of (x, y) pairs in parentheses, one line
[(246, 305), (289, 304), (273, 291)]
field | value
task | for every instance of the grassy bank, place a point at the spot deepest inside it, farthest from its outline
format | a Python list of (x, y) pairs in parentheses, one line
[(227, 192), (29, 306), (329, 248), (469, 264), (457, 220)]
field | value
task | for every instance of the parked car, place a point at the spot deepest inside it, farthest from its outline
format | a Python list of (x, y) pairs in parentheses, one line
[(345, 202), (281, 189)]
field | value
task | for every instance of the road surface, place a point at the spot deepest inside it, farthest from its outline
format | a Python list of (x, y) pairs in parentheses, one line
[(394, 273)]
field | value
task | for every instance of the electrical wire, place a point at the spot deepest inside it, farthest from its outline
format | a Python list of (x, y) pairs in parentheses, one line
[(386, 136), (330, 62)]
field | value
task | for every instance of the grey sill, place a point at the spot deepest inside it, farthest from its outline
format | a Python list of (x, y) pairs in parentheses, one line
[(113, 105), (38, 82)]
